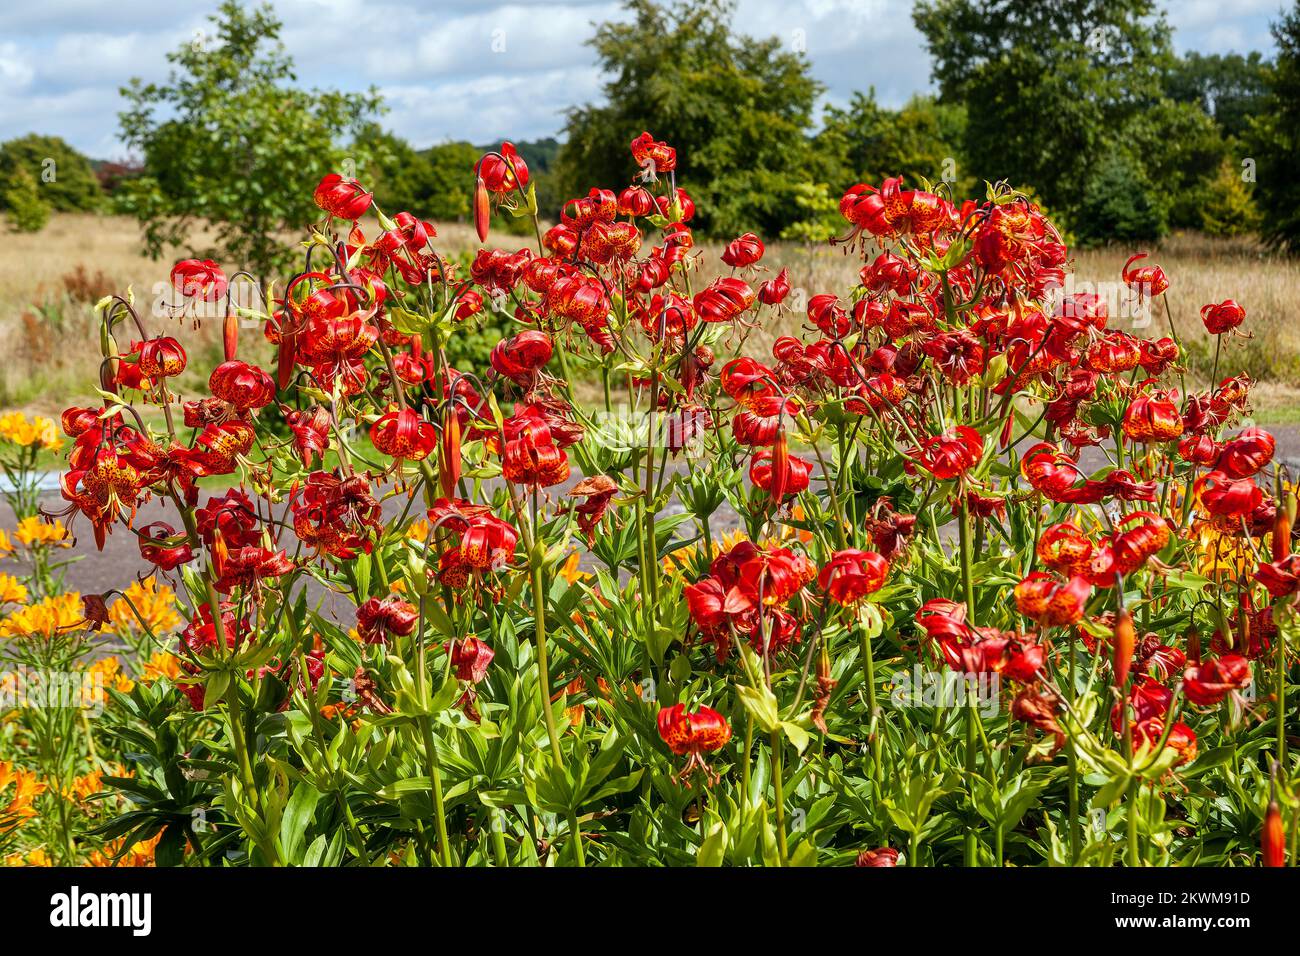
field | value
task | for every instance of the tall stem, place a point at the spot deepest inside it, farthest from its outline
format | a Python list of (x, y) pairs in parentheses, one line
[(539, 619), (778, 784), (430, 749), (869, 676), (968, 586)]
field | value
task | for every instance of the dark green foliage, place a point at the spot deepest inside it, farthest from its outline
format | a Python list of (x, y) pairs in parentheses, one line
[(64, 176), (28, 211), (736, 108), (867, 142), (1230, 87), (1273, 140), (1180, 150), (1047, 87), (230, 141), (1119, 202)]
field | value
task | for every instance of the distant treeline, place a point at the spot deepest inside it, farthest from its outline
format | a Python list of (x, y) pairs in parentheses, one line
[(1081, 103)]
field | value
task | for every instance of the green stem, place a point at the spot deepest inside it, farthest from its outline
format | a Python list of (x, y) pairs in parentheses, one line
[(873, 730), (1072, 756), (543, 658), (778, 772), (430, 749)]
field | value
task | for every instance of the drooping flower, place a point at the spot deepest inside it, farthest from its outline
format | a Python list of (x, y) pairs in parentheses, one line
[(1222, 317), (244, 386), (1050, 601), (1148, 281), (470, 658), (743, 251), (378, 619), (199, 279), (693, 734), (950, 454), (343, 198), (402, 434), (1206, 684), (850, 575), (1152, 418)]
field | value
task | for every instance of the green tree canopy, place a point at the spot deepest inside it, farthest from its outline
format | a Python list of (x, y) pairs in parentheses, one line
[(28, 211), (1047, 86), (1274, 140), (1230, 87), (229, 140), (736, 108), (64, 177), (865, 142)]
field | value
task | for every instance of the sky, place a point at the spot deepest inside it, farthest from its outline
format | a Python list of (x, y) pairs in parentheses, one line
[(467, 69)]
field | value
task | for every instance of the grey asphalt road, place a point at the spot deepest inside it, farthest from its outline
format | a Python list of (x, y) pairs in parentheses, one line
[(96, 571)]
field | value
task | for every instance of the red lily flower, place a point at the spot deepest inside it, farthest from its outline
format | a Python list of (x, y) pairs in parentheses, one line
[(310, 430), (652, 155), (1208, 683), (1228, 497), (380, 618), (724, 300), (743, 251), (470, 657), (343, 198), (1148, 281), (162, 547), (403, 435), (1152, 418), (161, 358), (774, 291), (1223, 317), (780, 475), (199, 279), (850, 575), (1050, 601), (950, 454), (694, 733), (242, 385), (1247, 454)]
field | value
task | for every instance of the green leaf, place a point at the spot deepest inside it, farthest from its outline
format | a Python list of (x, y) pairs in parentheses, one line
[(298, 813), (761, 704), (714, 848)]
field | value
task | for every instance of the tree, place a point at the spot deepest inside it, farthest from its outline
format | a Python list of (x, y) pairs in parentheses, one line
[(67, 181), (452, 169), (866, 142), (1274, 140), (1227, 206), (1047, 86), (227, 140), (400, 175), (1120, 203), (28, 210), (1230, 87), (737, 109), (1179, 149)]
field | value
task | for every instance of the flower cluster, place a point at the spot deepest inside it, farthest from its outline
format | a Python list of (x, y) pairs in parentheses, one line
[(950, 464)]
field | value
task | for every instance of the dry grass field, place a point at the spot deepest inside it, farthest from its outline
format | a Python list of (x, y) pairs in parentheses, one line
[(49, 282)]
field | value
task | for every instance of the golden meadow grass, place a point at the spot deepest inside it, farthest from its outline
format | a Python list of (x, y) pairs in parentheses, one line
[(50, 280)]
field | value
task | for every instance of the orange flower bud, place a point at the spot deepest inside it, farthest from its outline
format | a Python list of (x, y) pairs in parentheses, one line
[(1272, 839), (1124, 641), (449, 454), (230, 335), (482, 210), (1281, 535)]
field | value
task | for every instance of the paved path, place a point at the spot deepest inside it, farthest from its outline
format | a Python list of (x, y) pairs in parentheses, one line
[(120, 561)]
